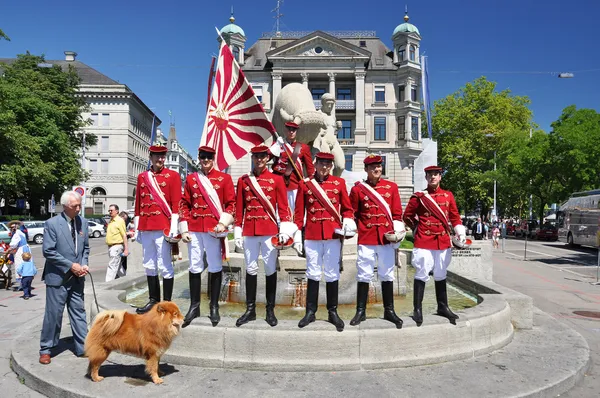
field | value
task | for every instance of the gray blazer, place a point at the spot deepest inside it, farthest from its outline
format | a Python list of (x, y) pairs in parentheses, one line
[(59, 250)]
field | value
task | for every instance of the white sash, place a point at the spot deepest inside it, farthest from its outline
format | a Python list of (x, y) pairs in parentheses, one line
[(211, 191), (161, 196), (379, 198), (322, 197), (263, 198)]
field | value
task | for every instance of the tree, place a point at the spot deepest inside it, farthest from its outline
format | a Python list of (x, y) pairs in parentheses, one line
[(469, 125), (40, 128), (4, 36)]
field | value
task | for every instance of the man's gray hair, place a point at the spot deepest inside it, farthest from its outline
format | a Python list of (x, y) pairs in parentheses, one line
[(67, 196)]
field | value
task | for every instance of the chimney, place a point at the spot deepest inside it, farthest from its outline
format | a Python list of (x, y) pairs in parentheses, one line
[(70, 56)]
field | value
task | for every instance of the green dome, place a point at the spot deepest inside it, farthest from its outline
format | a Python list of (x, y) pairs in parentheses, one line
[(232, 29), (406, 28)]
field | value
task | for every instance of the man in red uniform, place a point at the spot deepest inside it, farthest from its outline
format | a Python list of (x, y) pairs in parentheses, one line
[(378, 210), (301, 158), (428, 214), (206, 209), (157, 199), (323, 201), (261, 200)]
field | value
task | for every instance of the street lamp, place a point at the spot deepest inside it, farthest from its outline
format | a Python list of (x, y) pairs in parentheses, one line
[(494, 217)]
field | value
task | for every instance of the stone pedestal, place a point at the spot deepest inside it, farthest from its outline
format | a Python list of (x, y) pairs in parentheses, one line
[(474, 262)]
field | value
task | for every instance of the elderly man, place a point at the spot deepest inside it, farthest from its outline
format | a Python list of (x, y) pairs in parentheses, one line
[(157, 198), (66, 249), (378, 210), (261, 201), (429, 214), (323, 202), (116, 239), (206, 210)]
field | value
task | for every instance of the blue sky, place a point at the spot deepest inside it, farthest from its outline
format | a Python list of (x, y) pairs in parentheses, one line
[(162, 50)]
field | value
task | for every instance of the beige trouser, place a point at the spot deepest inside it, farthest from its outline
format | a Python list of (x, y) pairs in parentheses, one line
[(114, 269)]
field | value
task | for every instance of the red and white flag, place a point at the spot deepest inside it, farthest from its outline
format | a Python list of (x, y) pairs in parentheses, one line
[(235, 121)]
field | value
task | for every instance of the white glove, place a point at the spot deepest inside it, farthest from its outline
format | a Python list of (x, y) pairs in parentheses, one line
[(237, 238), (226, 219), (136, 234), (174, 224), (460, 231), (400, 229), (349, 225), (286, 230), (298, 242), (185, 237), (277, 146)]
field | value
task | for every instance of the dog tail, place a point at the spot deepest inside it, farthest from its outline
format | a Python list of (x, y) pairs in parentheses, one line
[(107, 323)]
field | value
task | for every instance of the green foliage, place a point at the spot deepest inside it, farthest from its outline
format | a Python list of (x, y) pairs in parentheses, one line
[(4, 36), (40, 122)]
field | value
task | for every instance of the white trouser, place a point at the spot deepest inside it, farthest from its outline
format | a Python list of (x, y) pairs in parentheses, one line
[(114, 269), (425, 260), (204, 242), (291, 197), (384, 255), (323, 254), (156, 253), (255, 245)]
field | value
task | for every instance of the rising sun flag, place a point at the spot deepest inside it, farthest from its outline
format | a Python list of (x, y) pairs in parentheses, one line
[(235, 120)]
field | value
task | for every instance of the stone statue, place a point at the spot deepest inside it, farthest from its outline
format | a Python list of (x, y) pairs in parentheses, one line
[(317, 128)]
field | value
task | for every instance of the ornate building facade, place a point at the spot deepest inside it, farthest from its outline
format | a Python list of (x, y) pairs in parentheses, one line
[(377, 88), (178, 159)]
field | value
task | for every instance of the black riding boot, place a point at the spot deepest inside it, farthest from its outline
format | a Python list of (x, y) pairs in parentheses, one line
[(153, 293), (194, 311), (418, 292), (312, 303), (332, 303), (362, 294), (215, 291), (387, 292), (167, 289), (250, 314), (442, 300), (271, 293)]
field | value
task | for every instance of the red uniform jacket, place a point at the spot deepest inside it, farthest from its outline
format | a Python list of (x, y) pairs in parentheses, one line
[(430, 232), (372, 221), (320, 224), (280, 165), (250, 213), (152, 218), (194, 208)]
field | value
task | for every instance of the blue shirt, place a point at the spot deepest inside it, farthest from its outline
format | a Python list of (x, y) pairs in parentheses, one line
[(27, 268)]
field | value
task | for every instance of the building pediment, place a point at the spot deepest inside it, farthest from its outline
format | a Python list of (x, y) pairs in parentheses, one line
[(318, 45)]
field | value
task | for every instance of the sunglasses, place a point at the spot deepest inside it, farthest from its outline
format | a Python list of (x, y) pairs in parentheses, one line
[(206, 157)]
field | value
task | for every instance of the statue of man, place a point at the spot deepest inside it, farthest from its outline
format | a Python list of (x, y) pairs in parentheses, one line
[(327, 141)]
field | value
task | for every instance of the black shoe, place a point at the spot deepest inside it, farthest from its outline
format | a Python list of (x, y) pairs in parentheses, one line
[(215, 291), (418, 292), (332, 303), (271, 293), (250, 314), (194, 311), (153, 293), (167, 289), (312, 302), (387, 292), (442, 301), (362, 294)]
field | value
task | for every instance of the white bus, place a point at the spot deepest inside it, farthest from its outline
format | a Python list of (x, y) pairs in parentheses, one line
[(578, 219)]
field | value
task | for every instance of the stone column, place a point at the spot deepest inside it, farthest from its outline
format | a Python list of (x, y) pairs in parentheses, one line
[(332, 87), (304, 79), (276, 88), (408, 89), (360, 106)]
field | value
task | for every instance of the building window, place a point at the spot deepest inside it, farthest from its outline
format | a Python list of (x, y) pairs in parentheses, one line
[(349, 162), (413, 93), (401, 52), (401, 128), (401, 94), (105, 119), (380, 134), (317, 93), (344, 93), (104, 166), (379, 93), (414, 128), (362, 43), (236, 53), (95, 120), (383, 165), (93, 166), (258, 91), (173, 158), (104, 143), (346, 130), (174, 146), (411, 53)]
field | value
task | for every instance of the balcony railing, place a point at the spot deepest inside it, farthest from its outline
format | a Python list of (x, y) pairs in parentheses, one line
[(339, 104), (346, 141)]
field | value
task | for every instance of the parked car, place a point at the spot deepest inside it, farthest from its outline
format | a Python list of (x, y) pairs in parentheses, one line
[(4, 233), (548, 231), (36, 231), (101, 221), (510, 228), (95, 230), (526, 227)]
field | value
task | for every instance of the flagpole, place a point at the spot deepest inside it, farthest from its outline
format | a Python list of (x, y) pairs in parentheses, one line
[(152, 138), (211, 75)]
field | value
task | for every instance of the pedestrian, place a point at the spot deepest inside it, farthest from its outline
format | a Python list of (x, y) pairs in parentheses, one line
[(206, 212), (429, 214), (27, 271), (130, 233), (323, 206), (479, 230), (157, 198), (301, 158), (378, 210), (495, 235), (261, 201), (18, 245), (66, 249), (116, 240)]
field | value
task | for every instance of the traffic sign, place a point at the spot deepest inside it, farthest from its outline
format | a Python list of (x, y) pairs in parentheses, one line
[(80, 190)]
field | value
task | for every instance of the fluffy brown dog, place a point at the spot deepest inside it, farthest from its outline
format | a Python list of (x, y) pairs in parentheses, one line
[(146, 336)]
